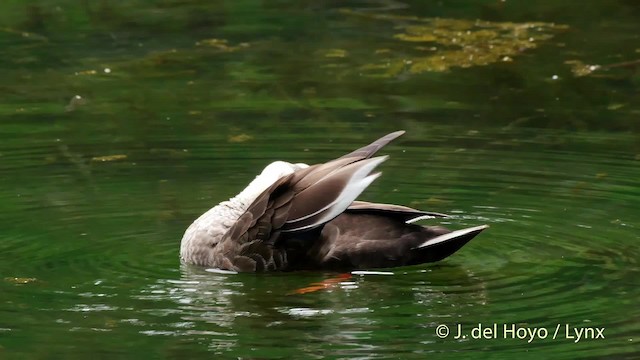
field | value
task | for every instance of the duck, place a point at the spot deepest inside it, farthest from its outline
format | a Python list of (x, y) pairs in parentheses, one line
[(295, 216)]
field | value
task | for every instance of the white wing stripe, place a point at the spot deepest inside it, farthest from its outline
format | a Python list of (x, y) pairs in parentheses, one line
[(449, 236)]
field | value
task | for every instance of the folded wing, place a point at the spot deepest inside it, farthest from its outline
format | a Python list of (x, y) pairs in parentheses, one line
[(369, 235)]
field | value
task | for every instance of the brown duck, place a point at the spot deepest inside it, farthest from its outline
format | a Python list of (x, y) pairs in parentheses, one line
[(296, 216)]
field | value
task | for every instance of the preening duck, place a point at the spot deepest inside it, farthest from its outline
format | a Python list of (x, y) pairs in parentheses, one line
[(296, 216)]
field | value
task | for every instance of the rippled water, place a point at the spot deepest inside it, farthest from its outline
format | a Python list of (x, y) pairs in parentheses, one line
[(95, 195), (89, 259)]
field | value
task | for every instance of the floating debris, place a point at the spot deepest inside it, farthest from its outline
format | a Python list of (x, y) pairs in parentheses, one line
[(109, 158), (24, 34), (85, 72), (221, 44), (335, 53), (578, 68), (239, 138), (75, 103), (20, 280)]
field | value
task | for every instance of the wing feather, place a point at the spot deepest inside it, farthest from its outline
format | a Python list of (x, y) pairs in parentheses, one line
[(405, 213), (368, 151), (296, 203), (330, 196)]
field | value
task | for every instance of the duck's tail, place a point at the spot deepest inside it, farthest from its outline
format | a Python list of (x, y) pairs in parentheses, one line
[(440, 247)]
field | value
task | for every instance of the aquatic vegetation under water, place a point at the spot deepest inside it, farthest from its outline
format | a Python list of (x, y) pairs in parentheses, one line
[(439, 44)]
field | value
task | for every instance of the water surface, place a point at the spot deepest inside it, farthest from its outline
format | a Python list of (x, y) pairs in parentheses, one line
[(121, 123)]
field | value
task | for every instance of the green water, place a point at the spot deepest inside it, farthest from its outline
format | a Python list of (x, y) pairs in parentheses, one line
[(120, 122)]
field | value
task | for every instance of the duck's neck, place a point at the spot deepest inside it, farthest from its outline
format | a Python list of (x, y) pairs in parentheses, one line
[(272, 173), (250, 193)]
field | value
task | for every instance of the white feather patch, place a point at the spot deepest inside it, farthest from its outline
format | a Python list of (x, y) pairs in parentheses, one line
[(454, 234)]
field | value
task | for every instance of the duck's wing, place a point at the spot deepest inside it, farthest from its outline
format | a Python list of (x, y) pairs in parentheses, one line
[(297, 204), (381, 235), (403, 213)]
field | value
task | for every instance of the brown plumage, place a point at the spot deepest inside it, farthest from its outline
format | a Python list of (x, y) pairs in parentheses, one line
[(294, 216)]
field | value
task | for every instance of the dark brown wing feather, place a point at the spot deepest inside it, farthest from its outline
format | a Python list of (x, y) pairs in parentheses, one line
[(248, 245), (368, 151)]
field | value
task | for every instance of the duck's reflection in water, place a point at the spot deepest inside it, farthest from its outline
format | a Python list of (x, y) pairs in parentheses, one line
[(243, 313)]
